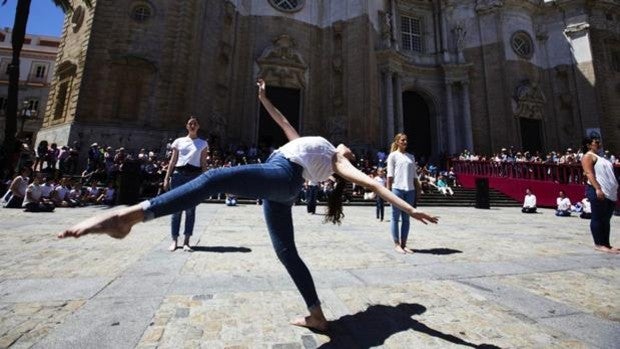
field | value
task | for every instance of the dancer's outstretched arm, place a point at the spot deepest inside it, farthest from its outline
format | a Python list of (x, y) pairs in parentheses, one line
[(344, 168), (275, 114)]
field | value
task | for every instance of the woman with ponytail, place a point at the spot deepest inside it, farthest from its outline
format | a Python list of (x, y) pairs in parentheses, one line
[(278, 182), (402, 181)]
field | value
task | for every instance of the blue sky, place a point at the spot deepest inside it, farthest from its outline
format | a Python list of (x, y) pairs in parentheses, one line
[(45, 18)]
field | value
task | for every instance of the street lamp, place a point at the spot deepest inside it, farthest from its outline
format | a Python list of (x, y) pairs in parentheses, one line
[(25, 113)]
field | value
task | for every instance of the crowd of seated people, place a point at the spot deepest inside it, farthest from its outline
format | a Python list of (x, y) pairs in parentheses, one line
[(569, 156)]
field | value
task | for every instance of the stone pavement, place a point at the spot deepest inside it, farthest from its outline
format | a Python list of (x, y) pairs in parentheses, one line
[(487, 278)]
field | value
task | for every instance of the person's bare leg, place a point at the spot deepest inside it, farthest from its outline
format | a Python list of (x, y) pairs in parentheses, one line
[(117, 224), (316, 320)]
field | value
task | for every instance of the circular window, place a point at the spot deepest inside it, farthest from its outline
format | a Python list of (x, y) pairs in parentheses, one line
[(287, 5), (141, 13), (77, 19), (522, 44)]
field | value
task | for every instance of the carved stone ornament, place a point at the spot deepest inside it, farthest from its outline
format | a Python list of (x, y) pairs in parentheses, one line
[(282, 64), (488, 5), (528, 101), (577, 29)]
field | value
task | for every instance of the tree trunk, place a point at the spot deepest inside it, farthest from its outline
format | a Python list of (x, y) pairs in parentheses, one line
[(19, 33)]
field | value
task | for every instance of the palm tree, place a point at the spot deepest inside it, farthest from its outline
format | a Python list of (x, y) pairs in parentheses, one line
[(19, 33)]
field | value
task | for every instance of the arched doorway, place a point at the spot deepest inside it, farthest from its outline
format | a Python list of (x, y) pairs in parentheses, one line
[(417, 125), (287, 100)]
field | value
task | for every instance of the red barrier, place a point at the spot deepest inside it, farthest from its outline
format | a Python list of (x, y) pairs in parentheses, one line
[(512, 178)]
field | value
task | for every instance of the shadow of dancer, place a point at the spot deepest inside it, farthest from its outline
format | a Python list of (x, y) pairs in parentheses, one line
[(437, 251), (221, 249), (371, 327)]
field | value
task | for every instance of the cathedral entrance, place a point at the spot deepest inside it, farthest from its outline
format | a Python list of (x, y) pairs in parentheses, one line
[(531, 135), (287, 100), (417, 125)]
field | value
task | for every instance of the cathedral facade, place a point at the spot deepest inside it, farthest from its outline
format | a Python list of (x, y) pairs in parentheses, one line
[(475, 74)]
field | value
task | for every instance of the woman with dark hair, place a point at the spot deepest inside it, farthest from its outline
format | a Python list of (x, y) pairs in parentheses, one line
[(278, 182), (601, 191), (188, 161)]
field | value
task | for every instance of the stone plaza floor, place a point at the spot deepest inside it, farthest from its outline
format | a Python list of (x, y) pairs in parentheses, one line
[(480, 278)]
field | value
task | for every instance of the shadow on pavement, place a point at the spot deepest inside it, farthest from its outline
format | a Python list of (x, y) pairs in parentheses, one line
[(440, 251), (221, 249), (371, 327)]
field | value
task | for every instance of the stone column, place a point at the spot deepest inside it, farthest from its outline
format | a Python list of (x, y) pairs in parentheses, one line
[(399, 103), (395, 27), (389, 104), (444, 32), (450, 119), (469, 142)]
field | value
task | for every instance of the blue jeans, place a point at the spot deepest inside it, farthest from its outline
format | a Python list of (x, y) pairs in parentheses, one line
[(311, 198), (409, 197), (380, 207), (176, 180), (277, 181), (602, 210)]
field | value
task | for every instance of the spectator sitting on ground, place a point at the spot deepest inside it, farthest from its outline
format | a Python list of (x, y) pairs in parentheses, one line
[(75, 196), (586, 212), (61, 192), (564, 205), (529, 202), (108, 196), (48, 187), (14, 197), (33, 202), (92, 194)]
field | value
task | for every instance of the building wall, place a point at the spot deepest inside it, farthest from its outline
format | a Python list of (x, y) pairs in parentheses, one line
[(135, 83)]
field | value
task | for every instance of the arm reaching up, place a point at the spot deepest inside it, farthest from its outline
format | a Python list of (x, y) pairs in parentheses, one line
[(275, 114)]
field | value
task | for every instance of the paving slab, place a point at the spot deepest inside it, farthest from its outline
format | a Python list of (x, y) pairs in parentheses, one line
[(481, 278)]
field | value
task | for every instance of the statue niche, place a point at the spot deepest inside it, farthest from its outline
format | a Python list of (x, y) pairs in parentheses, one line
[(282, 65), (528, 101)]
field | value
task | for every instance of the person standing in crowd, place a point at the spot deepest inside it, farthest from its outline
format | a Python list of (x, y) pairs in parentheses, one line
[(278, 181), (529, 202), (311, 194), (188, 161), (601, 191), (380, 178), (563, 205), (402, 180)]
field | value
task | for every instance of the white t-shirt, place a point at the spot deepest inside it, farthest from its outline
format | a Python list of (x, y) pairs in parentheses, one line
[(314, 154), (34, 191), (189, 150), (587, 206), (529, 201), (402, 167), (563, 204), (46, 190), (61, 192)]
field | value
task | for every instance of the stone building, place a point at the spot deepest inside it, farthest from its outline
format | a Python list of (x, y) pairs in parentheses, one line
[(476, 74), (35, 76)]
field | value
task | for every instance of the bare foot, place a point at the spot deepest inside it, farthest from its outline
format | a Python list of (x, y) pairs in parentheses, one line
[(311, 322), (186, 248), (408, 250), (606, 249), (399, 249), (173, 246), (116, 224)]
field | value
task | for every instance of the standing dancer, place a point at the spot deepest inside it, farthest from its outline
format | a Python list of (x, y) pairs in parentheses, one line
[(278, 182), (402, 180), (188, 161)]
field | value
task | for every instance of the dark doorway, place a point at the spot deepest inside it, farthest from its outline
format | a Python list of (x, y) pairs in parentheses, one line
[(287, 100), (417, 125), (531, 135)]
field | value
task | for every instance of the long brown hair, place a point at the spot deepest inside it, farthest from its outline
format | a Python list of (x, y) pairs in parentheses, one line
[(334, 201), (394, 146)]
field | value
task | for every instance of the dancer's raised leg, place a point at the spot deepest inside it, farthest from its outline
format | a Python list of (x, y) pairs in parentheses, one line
[(117, 224)]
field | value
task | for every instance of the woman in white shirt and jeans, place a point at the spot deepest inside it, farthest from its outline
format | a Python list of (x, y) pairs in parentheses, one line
[(278, 182), (188, 161)]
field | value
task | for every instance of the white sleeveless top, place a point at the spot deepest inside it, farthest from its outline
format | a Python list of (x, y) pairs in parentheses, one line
[(189, 150), (314, 154), (604, 172)]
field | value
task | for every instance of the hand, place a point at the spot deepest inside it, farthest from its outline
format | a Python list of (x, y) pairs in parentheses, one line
[(599, 194), (261, 88), (423, 217)]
